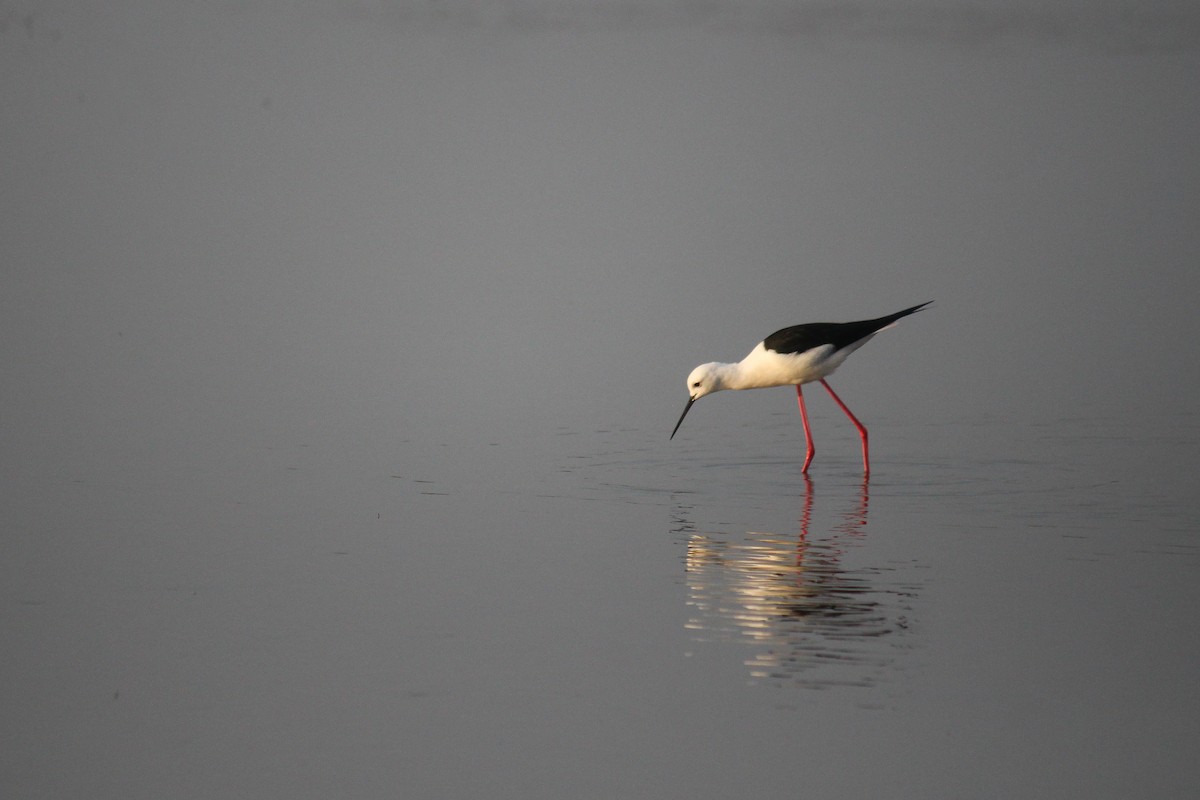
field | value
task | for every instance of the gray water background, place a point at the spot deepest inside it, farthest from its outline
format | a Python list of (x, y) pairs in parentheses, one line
[(341, 342)]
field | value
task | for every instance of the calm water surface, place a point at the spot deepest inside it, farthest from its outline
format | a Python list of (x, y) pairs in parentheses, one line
[(598, 613)]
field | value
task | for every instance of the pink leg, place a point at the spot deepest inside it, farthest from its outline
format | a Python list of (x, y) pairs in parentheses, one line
[(861, 430), (811, 451)]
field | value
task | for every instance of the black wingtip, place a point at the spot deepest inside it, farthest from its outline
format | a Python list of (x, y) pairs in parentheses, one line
[(890, 318)]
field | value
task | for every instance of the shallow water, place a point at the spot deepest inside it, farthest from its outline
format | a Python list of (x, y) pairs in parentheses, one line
[(341, 352), (610, 617)]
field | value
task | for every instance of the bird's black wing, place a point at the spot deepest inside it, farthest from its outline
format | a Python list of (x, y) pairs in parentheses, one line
[(801, 338)]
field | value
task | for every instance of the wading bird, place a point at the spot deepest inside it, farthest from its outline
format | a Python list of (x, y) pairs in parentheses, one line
[(793, 357)]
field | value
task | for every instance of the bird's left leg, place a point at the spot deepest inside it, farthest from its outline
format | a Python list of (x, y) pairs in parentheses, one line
[(861, 430), (811, 451)]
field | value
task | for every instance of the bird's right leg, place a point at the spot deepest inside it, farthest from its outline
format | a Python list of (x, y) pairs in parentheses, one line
[(862, 431)]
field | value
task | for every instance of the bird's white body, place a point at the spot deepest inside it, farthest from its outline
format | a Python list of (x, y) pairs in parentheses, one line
[(763, 368)]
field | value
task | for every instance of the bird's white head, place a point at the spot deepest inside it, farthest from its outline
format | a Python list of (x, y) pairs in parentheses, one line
[(704, 379)]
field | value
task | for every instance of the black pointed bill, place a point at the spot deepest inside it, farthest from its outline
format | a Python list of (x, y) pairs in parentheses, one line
[(681, 416)]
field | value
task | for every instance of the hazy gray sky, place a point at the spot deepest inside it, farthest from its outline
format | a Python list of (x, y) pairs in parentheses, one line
[(384, 209)]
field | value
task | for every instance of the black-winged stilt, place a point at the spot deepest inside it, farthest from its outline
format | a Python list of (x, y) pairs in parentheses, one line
[(793, 357)]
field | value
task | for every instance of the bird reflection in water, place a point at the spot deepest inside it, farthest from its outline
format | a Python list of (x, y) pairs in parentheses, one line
[(813, 620)]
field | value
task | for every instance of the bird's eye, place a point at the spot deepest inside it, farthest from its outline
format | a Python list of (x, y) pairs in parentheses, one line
[(696, 385)]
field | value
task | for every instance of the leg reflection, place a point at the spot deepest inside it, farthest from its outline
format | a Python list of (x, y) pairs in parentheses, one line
[(813, 619)]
